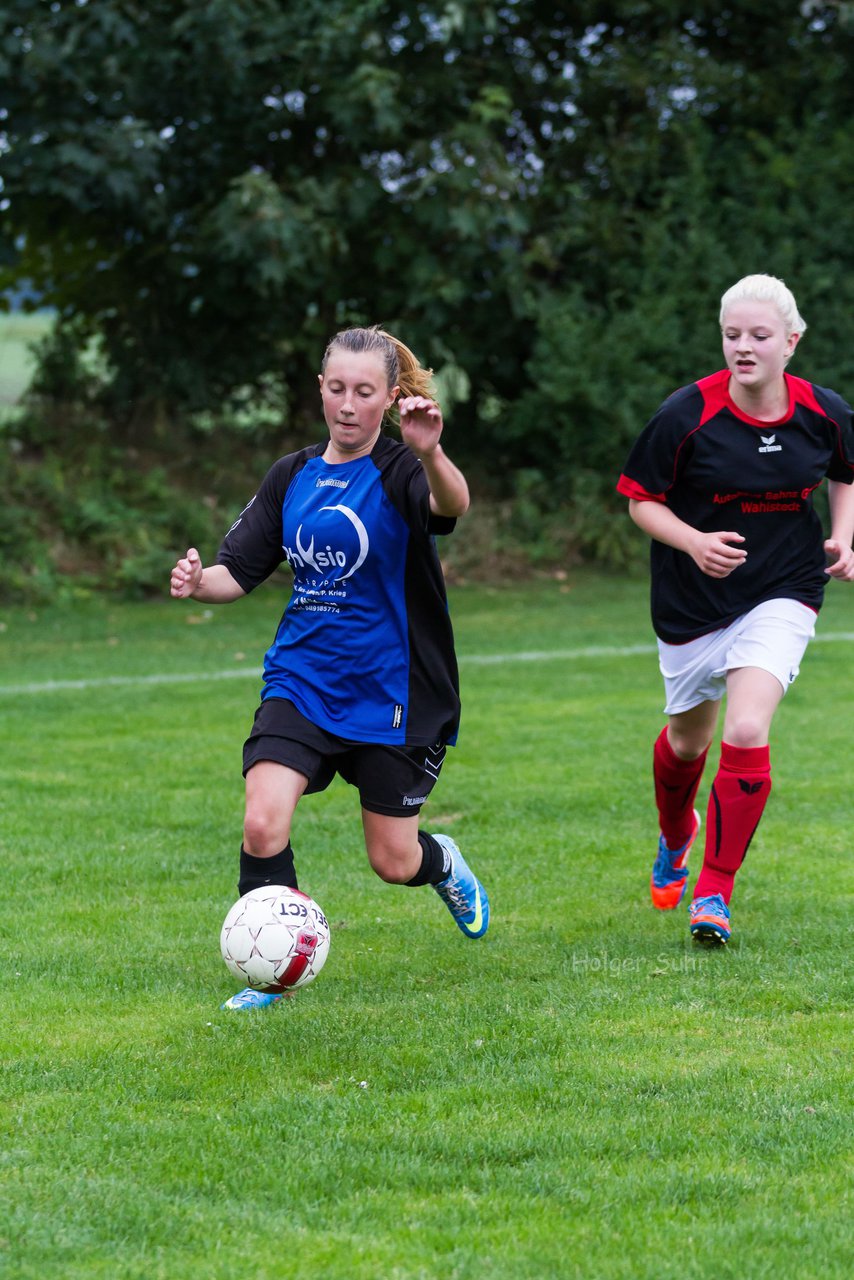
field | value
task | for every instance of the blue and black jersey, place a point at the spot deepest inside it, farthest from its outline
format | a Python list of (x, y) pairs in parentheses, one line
[(718, 469), (365, 647)]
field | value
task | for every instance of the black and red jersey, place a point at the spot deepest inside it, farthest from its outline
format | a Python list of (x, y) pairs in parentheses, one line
[(718, 469)]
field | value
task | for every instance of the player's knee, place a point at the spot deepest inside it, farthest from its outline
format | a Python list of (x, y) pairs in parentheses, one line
[(746, 730), (263, 833), (390, 862), (688, 744)]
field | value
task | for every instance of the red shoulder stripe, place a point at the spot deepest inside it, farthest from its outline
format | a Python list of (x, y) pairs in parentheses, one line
[(714, 390), (802, 393), (631, 489)]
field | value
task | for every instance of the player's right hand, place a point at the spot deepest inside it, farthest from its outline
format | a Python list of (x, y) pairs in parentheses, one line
[(186, 575), (714, 554)]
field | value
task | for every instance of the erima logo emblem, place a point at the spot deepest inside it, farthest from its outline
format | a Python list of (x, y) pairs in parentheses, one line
[(749, 788), (768, 445)]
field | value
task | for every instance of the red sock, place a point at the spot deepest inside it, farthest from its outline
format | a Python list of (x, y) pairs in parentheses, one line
[(676, 783), (739, 794)]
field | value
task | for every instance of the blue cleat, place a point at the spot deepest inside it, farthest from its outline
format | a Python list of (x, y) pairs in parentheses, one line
[(669, 878), (462, 893), (710, 919), (249, 998)]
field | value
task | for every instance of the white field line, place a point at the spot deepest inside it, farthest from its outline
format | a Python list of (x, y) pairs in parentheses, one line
[(465, 660)]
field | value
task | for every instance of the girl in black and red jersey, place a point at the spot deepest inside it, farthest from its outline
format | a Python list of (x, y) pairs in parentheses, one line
[(722, 479)]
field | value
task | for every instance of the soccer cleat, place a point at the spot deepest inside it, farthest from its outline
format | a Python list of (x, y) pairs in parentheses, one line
[(710, 919), (669, 878), (462, 893), (249, 998)]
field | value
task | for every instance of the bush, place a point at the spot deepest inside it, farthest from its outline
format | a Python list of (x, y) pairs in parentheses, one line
[(87, 512)]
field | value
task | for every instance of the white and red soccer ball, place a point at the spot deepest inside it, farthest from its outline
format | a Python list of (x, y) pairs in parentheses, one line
[(275, 939)]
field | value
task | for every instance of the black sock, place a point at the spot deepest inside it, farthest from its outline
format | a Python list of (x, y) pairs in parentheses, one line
[(435, 861), (257, 872)]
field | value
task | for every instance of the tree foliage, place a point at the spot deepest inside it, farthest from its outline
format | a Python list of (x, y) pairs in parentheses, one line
[(547, 197)]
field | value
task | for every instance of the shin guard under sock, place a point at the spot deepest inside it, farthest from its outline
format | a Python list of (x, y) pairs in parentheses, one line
[(676, 784), (257, 872), (738, 797)]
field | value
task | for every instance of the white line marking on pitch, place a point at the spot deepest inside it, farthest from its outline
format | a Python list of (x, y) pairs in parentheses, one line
[(469, 660)]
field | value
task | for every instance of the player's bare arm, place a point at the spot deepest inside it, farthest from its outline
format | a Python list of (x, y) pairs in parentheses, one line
[(421, 428), (211, 585), (838, 546), (715, 554)]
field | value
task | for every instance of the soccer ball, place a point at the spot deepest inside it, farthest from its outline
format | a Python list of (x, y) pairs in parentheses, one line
[(275, 938)]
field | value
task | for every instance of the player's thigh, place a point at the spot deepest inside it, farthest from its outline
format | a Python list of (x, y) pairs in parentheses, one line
[(273, 791), (753, 696), (691, 731)]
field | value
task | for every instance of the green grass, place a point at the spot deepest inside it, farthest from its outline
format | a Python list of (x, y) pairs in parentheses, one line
[(581, 1094), (17, 332)]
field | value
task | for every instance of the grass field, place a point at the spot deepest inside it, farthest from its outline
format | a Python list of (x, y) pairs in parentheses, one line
[(580, 1094)]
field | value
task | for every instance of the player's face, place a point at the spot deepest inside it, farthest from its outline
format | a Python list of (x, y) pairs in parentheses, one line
[(355, 396), (756, 344)]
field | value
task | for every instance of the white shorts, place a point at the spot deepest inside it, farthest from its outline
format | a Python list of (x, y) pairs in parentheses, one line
[(773, 637)]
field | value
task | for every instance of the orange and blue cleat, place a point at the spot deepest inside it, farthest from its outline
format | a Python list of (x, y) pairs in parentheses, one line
[(669, 878), (710, 919)]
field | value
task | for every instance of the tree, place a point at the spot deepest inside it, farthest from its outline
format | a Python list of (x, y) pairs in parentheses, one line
[(549, 197)]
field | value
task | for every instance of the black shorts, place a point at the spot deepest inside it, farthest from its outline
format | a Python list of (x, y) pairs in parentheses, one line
[(391, 780)]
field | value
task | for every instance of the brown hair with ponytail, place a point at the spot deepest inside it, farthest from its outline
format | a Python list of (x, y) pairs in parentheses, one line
[(402, 366)]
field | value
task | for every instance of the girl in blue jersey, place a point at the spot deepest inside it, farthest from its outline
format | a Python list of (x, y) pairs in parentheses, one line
[(722, 480), (361, 677)]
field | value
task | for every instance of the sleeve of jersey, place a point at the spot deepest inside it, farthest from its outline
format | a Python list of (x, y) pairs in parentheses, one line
[(405, 482), (840, 414), (651, 467), (252, 548)]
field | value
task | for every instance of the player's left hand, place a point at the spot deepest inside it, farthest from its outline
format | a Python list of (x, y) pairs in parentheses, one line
[(420, 423), (843, 566)]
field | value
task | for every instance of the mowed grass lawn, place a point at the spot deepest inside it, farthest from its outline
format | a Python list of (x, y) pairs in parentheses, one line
[(582, 1093)]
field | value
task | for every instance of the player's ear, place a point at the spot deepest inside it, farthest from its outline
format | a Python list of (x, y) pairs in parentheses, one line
[(394, 392)]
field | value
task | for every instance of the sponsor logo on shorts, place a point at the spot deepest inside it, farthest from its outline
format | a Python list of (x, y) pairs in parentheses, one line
[(413, 800)]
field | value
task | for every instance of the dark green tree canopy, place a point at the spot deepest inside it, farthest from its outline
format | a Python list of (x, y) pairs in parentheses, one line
[(549, 197)]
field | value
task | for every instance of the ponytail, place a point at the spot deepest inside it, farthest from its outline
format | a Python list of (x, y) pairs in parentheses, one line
[(402, 366)]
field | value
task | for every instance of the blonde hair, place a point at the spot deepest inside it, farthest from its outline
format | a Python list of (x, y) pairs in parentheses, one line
[(403, 368), (765, 289)]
